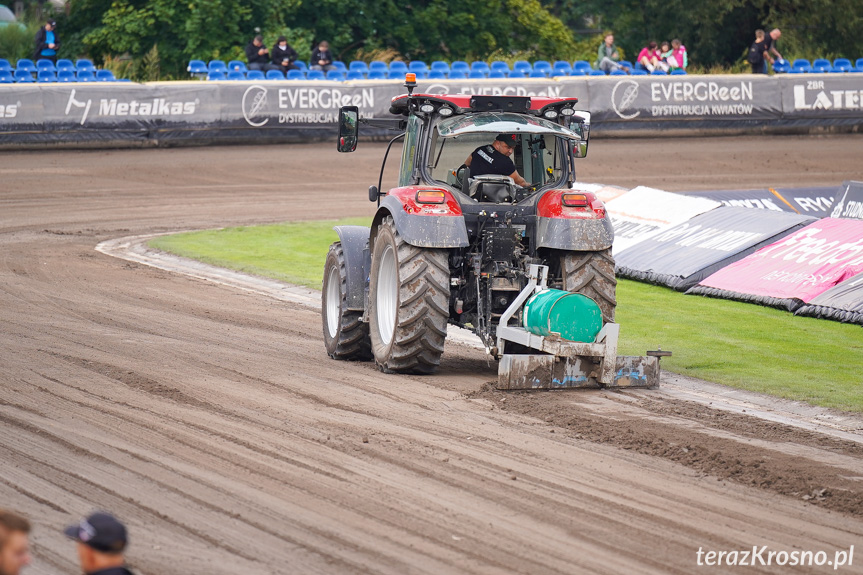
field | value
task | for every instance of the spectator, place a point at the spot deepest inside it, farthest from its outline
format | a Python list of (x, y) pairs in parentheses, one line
[(47, 42), (650, 58), (758, 53), (322, 58), (284, 56), (101, 540), (258, 55), (495, 159), (608, 56), (675, 55), (769, 40), (14, 543)]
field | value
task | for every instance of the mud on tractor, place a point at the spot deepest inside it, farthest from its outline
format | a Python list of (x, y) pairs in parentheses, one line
[(527, 269)]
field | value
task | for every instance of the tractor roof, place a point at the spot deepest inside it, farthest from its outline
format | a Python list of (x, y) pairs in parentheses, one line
[(465, 103)]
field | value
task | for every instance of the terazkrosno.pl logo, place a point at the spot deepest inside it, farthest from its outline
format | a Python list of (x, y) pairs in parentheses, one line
[(255, 105), (623, 97)]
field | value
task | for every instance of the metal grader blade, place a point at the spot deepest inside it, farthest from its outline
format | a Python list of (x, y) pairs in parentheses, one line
[(561, 364)]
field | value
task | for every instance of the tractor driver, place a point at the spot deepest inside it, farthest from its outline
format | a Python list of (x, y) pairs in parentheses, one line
[(495, 159)]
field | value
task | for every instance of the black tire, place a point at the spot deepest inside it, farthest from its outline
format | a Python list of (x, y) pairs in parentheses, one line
[(346, 336), (591, 274), (408, 303)]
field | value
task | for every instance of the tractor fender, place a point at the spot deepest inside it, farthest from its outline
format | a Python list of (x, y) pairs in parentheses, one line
[(424, 230), (574, 235), (355, 246)]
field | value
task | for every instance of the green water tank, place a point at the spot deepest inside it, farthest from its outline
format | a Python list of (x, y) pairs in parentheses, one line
[(574, 316)]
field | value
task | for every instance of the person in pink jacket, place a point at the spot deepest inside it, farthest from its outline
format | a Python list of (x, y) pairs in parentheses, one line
[(651, 58), (677, 58)]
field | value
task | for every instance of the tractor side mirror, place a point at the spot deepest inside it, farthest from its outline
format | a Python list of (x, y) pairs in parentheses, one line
[(348, 128), (580, 124)]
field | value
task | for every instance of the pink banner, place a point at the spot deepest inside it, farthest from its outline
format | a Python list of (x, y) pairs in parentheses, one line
[(801, 265)]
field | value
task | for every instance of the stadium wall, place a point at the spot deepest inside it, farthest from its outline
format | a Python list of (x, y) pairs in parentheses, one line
[(115, 114)]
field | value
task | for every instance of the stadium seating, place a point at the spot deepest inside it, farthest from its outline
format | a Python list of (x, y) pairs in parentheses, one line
[(476, 75), (352, 75), (437, 75), (801, 66), (618, 72), (45, 65), (858, 65), (6, 77), (23, 76), (46, 76), (397, 66), (377, 66), (65, 76), (440, 66), (25, 65), (237, 66), (561, 68), (457, 75), (500, 65), (255, 75), (336, 75), (542, 66), (478, 66), (316, 75), (340, 66), (596, 73), (64, 64), (822, 66), (781, 66), (582, 65), (580, 72), (84, 65), (86, 75), (522, 66), (302, 66), (378, 75), (459, 66), (419, 68), (275, 75), (5, 65), (678, 72), (196, 67), (626, 64), (842, 65), (659, 72), (497, 74), (105, 76), (537, 74), (396, 75), (295, 75), (518, 73), (217, 66), (236, 75), (214, 75), (637, 72)]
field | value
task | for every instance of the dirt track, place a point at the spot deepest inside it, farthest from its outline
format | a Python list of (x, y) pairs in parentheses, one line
[(211, 420)]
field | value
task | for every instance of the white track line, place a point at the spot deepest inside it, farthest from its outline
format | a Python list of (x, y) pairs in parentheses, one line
[(830, 422)]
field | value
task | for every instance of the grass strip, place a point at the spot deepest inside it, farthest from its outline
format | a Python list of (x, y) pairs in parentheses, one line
[(738, 344)]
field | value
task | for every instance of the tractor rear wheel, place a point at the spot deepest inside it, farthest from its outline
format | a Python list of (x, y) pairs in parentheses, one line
[(346, 336), (591, 274), (408, 303)]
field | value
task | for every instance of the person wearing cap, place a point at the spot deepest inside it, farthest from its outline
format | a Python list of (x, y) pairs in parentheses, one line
[(47, 42), (495, 159), (14, 543), (101, 540)]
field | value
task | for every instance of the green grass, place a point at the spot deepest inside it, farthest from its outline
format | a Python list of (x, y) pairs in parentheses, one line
[(738, 344)]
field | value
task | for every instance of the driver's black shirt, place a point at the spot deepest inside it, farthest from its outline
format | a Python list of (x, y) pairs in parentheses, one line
[(486, 160)]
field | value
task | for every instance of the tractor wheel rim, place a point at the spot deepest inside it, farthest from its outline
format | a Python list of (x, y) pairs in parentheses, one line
[(388, 292), (333, 301)]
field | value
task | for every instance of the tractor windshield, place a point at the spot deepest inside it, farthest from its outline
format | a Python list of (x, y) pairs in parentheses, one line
[(539, 156)]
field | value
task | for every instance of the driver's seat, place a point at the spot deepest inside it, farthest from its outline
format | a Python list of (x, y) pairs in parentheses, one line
[(492, 188)]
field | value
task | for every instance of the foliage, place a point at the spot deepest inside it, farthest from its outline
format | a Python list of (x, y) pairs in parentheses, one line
[(17, 41)]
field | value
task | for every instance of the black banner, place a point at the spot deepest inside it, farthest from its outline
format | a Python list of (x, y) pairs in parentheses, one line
[(844, 302), (815, 202), (685, 254), (849, 202)]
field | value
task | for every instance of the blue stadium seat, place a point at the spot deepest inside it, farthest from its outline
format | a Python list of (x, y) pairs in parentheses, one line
[(582, 65), (377, 65), (256, 75), (46, 76), (358, 65), (45, 65), (236, 75), (522, 66), (459, 66), (5, 65), (542, 66), (437, 75), (65, 76), (457, 75), (398, 66), (377, 75), (6, 77), (85, 65), (801, 65), (340, 66), (25, 65), (419, 68), (237, 66), (580, 72), (215, 75), (858, 65), (822, 66), (196, 67), (316, 75), (479, 66), (85, 75), (659, 72), (596, 73), (476, 75), (105, 76), (275, 75), (295, 75), (516, 73), (441, 66), (336, 75), (561, 68), (302, 66), (638, 72), (64, 64), (842, 65), (497, 74), (217, 66), (620, 72), (23, 76), (500, 65), (781, 66), (396, 75), (353, 75), (626, 64), (678, 72), (538, 74)]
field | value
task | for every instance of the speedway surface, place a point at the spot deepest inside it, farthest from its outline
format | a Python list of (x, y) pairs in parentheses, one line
[(211, 420)]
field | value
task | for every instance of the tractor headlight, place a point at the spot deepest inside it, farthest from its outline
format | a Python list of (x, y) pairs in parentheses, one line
[(567, 111), (550, 114), (427, 108), (444, 111)]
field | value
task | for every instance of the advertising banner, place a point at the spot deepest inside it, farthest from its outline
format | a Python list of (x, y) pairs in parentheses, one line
[(849, 203), (841, 303), (683, 255), (795, 269), (815, 202), (822, 96), (643, 212), (21, 113)]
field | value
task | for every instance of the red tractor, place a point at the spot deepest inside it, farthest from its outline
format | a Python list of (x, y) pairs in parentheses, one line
[(446, 247)]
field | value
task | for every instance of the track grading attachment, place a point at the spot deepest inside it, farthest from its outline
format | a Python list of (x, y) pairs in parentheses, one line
[(559, 363)]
